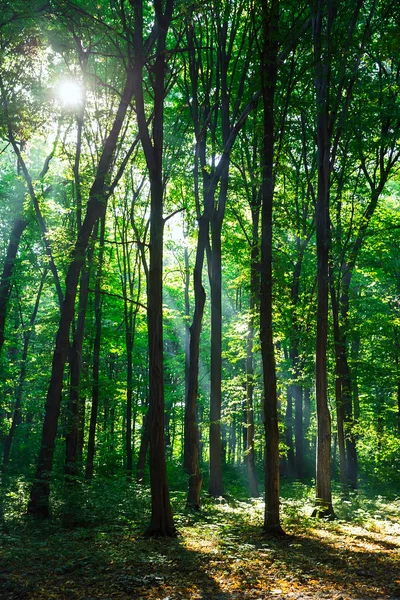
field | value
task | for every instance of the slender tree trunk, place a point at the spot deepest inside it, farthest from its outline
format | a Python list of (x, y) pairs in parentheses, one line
[(81, 430), (215, 487), (294, 355), (254, 295), (39, 498), (323, 487), (144, 443), (191, 458), (250, 454), (346, 379), (161, 514), (91, 450), (269, 76), (75, 426), (355, 352), (298, 428), (350, 438), (398, 405), (398, 378), (307, 420), (191, 432), (127, 276), (331, 112), (74, 436), (187, 316), (340, 410), (323, 491), (167, 427), (289, 432), (129, 390)]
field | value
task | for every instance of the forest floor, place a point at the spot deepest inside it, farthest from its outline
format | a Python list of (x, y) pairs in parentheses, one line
[(219, 554)]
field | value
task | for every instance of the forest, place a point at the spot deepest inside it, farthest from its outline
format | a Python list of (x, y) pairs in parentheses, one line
[(199, 299)]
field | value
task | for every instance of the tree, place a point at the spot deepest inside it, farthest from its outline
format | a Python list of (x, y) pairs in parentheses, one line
[(161, 517), (96, 207), (331, 111), (269, 66)]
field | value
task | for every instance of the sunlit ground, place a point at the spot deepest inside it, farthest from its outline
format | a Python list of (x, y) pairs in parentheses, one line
[(219, 554)]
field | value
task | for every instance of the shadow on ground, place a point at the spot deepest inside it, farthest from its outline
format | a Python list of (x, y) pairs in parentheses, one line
[(211, 560)]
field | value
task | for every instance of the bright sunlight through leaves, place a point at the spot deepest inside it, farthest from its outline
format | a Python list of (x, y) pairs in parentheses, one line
[(69, 92)]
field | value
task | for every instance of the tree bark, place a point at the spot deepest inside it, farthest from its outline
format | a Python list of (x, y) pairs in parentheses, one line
[(75, 419), (75, 416), (91, 449), (339, 383), (215, 487), (307, 420), (323, 466), (191, 454), (298, 428), (290, 458), (269, 76), (294, 355), (161, 514), (144, 443), (250, 454)]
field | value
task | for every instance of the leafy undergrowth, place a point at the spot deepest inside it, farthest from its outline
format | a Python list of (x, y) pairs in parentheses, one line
[(99, 552)]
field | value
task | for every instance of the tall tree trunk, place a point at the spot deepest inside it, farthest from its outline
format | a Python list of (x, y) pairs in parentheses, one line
[(289, 432), (254, 297), (127, 272), (298, 428), (187, 316), (340, 409), (295, 359), (129, 390), (323, 466), (91, 448), (332, 107), (250, 454), (161, 514), (81, 429), (97, 204), (215, 487), (398, 405), (355, 353), (307, 420), (269, 76), (75, 427)]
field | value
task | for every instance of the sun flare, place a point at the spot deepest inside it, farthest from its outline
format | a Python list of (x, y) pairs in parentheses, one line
[(69, 92)]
